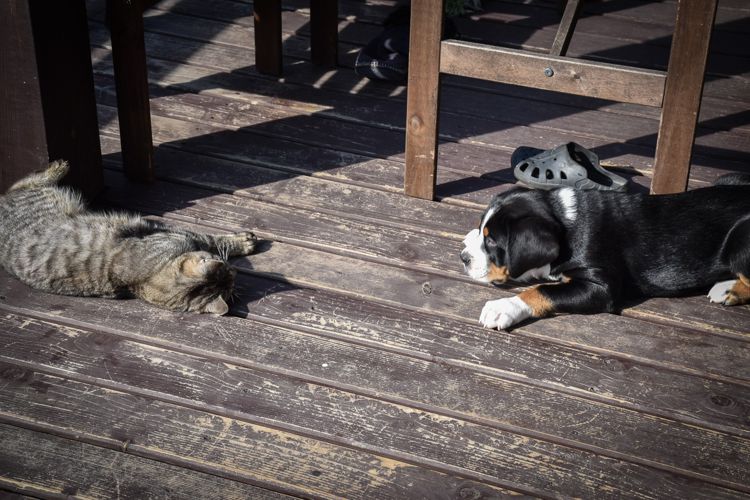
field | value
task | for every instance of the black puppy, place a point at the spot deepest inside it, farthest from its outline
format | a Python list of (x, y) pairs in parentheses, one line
[(602, 247)]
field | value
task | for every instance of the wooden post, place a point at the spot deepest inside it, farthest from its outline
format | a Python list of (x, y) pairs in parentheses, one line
[(131, 82), (324, 32), (23, 142), (268, 55), (682, 95), (423, 98), (47, 103)]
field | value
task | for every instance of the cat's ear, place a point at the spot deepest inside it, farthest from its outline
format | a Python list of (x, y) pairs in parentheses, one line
[(217, 306)]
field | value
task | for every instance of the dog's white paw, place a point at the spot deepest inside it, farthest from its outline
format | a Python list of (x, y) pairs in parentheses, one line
[(720, 291), (504, 313)]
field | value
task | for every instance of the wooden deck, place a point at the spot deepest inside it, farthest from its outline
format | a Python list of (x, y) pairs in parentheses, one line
[(351, 364)]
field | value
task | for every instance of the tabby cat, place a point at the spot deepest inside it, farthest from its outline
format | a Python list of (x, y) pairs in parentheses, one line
[(50, 241)]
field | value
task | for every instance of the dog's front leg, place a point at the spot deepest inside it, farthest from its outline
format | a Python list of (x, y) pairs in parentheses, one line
[(573, 296)]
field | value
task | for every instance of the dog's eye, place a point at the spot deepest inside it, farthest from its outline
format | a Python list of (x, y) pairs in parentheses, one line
[(490, 243)]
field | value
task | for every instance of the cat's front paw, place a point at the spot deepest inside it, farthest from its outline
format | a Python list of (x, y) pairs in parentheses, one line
[(236, 244), (245, 242)]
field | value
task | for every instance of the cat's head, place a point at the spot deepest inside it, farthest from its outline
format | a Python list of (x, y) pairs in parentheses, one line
[(193, 282)]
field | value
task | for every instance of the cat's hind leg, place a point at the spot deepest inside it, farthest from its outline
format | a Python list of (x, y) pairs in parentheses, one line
[(48, 177)]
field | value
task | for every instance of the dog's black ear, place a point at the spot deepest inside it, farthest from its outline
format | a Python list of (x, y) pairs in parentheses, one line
[(532, 242)]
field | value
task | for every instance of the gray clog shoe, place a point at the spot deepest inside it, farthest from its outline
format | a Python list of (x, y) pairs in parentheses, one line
[(568, 165)]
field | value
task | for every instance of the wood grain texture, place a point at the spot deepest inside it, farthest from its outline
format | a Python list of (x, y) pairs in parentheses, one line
[(458, 374), (197, 382), (24, 149), (131, 79), (61, 43), (423, 99), (456, 128), (47, 466), (682, 95), (351, 364), (517, 67), (46, 117)]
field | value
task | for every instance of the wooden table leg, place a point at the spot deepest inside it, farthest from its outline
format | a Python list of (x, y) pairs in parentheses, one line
[(131, 82), (47, 102), (682, 95), (423, 95), (268, 55), (324, 32)]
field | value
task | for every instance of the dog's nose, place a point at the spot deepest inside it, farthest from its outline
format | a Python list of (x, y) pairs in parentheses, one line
[(465, 258)]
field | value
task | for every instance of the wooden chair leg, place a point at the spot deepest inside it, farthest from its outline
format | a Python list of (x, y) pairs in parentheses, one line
[(268, 58), (131, 82), (566, 28), (324, 31), (682, 95), (423, 95)]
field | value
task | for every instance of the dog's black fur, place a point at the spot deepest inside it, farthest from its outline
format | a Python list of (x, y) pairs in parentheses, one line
[(621, 246)]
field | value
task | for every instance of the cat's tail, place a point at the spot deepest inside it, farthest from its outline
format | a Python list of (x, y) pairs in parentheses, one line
[(49, 177)]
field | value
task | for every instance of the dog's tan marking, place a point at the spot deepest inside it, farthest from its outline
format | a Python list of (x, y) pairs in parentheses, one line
[(485, 231), (539, 304), (740, 292), (499, 274)]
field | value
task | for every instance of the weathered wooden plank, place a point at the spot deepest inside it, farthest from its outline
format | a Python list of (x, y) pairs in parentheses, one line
[(599, 80), (289, 403), (611, 49), (663, 13), (524, 30), (148, 427), (220, 54), (651, 52), (444, 380), (286, 155), (47, 466), (459, 126), (168, 47), (440, 256), (297, 24), (445, 297), (307, 192), (609, 24), (427, 250), (695, 313), (437, 251), (474, 134)]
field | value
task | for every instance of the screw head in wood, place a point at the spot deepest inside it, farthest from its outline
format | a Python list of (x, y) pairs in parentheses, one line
[(549, 72)]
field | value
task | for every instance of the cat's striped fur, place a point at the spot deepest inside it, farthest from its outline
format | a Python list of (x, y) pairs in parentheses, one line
[(51, 241)]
